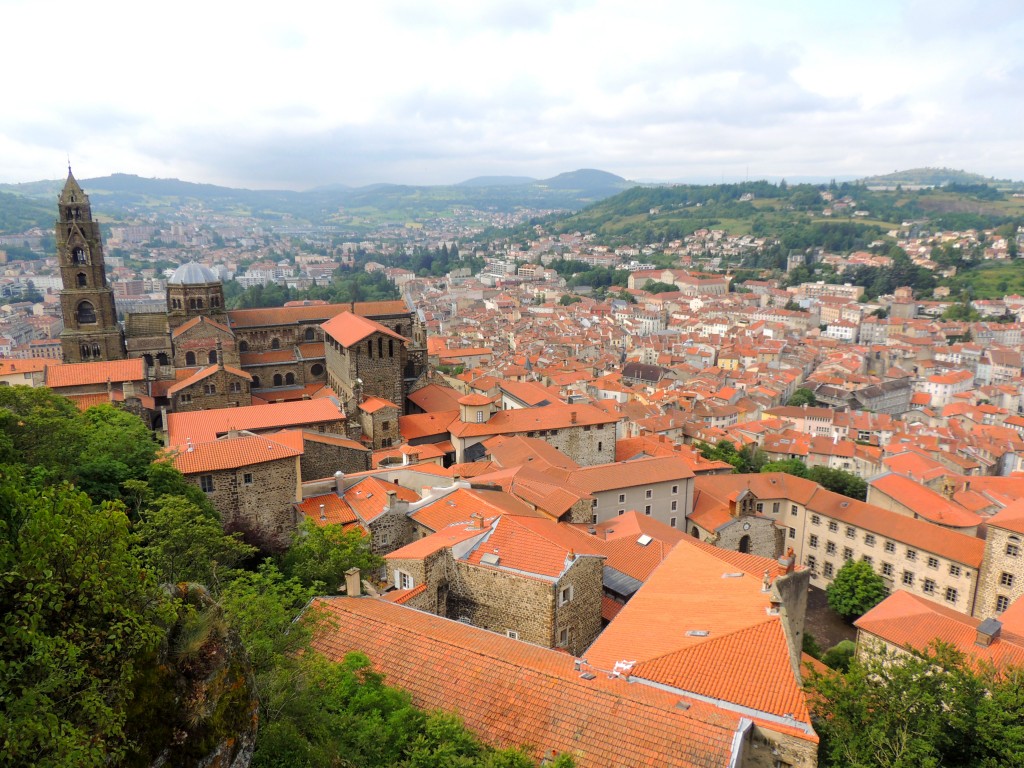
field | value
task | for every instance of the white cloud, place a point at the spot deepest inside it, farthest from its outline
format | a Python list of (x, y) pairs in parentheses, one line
[(420, 91)]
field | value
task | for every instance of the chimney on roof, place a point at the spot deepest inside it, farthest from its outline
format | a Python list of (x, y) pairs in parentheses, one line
[(476, 521), (339, 484), (391, 498), (323, 513), (766, 582), (572, 417), (787, 561), (988, 631), (353, 582)]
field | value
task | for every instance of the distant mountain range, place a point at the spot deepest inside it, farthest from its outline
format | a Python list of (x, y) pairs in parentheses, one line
[(934, 177)]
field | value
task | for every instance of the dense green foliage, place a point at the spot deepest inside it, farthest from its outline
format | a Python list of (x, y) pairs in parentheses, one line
[(345, 287), (77, 617), (801, 397), (132, 633), (837, 480), (749, 458), (924, 709), (855, 590)]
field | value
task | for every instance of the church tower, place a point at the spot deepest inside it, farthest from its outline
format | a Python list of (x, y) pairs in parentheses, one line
[(91, 331)]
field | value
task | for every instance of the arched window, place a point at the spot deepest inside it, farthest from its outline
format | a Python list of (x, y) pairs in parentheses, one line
[(78, 256), (191, 303), (84, 350), (243, 346), (289, 378), (190, 358), (744, 544), (398, 329), (255, 382), (317, 369), (277, 380), (149, 360), (310, 334), (199, 303), (695, 533), (81, 280), (96, 350), (86, 313), (161, 359), (215, 301), (369, 348), (212, 357), (275, 343), (380, 346), (391, 347)]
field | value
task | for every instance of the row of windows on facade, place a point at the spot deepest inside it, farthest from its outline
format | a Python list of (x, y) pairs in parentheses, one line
[(288, 379), (234, 387), (929, 586), (647, 511), (275, 343), (206, 482), (648, 494), (870, 540), (195, 303)]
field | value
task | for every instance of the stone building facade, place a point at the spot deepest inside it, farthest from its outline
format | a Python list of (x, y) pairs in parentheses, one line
[(1001, 581), (252, 481), (326, 453), (563, 612), (217, 386), (91, 331)]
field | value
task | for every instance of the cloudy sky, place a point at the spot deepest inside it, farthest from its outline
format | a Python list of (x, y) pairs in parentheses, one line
[(300, 94)]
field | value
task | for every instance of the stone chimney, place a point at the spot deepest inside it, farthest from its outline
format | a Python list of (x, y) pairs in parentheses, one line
[(339, 484), (988, 631), (353, 582), (476, 520), (572, 417)]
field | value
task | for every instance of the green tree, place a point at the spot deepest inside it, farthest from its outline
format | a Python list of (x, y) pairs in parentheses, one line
[(656, 286), (789, 466), (840, 655), (802, 397), (568, 299), (78, 617), (919, 708), (177, 542), (839, 481), (320, 555), (855, 590)]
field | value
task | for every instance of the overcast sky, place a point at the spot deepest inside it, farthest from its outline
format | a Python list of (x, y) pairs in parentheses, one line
[(300, 94)]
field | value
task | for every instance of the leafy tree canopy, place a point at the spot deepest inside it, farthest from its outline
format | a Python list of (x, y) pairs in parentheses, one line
[(855, 590)]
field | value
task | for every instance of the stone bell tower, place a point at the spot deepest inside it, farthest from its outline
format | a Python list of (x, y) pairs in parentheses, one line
[(91, 331)]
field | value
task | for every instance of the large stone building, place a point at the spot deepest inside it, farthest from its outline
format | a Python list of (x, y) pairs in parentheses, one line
[(199, 355), (91, 331)]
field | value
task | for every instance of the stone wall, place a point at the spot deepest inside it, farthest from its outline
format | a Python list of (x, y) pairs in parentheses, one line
[(763, 747), (321, 460), (229, 390), (762, 537), (581, 615), (201, 341), (1002, 573), (586, 446), (256, 500), (503, 602)]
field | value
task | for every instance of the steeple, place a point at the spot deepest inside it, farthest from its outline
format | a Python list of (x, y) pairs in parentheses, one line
[(91, 331)]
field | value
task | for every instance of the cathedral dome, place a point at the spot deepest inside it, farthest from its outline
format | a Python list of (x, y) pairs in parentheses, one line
[(192, 273)]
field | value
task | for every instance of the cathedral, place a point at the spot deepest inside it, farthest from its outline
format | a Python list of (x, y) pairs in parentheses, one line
[(201, 355)]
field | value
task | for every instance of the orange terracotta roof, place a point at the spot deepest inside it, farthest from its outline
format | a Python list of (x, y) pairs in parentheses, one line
[(348, 329), (434, 397), (205, 373), (85, 402), (511, 693), (205, 426), (190, 324), (374, 404), (420, 425), (446, 537), (460, 504), (336, 511), (402, 596), (369, 497), (531, 419), (905, 619), (475, 399), (231, 453), (82, 374), (251, 318), (714, 637), (603, 477), (23, 366), (924, 502), (1010, 517), (311, 351)]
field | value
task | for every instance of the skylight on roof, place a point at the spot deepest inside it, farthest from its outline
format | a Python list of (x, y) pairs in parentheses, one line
[(644, 540)]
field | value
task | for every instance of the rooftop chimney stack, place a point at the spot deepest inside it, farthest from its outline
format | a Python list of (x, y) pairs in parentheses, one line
[(323, 513), (572, 417), (353, 582), (339, 484)]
